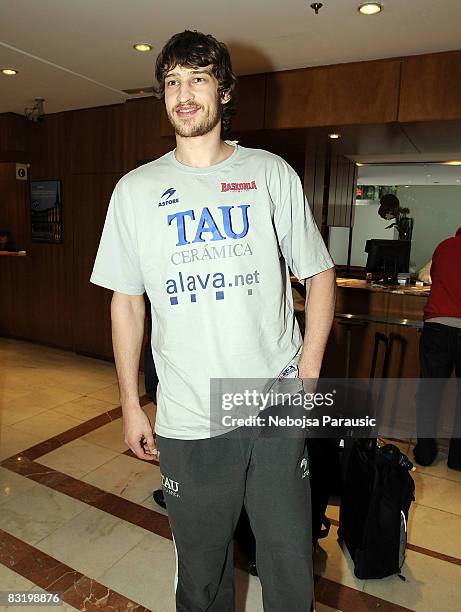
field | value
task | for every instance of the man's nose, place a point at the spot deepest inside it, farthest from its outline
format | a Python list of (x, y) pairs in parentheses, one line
[(185, 93)]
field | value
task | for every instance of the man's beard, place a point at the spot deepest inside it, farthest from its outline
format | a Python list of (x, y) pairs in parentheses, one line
[(190, 129)]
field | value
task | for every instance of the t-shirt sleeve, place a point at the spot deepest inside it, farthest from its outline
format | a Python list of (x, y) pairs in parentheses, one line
[(117, 265), (299, 238)]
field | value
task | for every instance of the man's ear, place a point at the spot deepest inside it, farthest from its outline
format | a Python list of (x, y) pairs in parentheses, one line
[(225, 97)]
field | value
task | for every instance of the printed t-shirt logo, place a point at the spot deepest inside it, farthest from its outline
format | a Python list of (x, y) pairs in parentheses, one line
[(168, 194), (238, 186)]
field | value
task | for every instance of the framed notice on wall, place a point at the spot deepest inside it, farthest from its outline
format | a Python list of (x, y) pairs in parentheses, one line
[(46, 211)]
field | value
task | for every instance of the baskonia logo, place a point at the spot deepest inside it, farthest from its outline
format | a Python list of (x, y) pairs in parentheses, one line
[(238, 186), (168, 194)]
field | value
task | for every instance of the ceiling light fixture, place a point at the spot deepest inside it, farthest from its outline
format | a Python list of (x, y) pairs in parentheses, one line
[(334, 136), (370, 8), (453, 162), (143, 47), (9, 71), (139, 90), (316, 6)]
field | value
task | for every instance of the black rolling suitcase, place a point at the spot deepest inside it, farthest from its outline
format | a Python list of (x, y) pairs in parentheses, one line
[(376, 496)]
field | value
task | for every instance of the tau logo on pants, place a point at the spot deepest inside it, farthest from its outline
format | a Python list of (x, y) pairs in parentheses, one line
[(170, 486)]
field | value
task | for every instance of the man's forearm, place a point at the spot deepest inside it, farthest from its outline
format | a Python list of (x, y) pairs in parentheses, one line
[(320, 309), (127, 313)]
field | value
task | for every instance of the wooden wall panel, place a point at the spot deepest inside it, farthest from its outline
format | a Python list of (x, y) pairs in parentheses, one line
[(14, 200), (41, 282), (51, 284), (314, 174), (37, 293), (8, 298), (17, 307), (142, 132), (12, 134), (329, 182), (250, 103), (166, 129), (333, 186), (431, 87), (91, 304), (50, 147), (49, 291), (364, 92), (341, 192), (97, 136)]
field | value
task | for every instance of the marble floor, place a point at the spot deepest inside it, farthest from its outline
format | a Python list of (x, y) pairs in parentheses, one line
[(77, 517)]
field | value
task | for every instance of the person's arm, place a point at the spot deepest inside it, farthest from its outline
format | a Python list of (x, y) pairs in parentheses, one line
[(425, 273), (320, 309), (127, 314)]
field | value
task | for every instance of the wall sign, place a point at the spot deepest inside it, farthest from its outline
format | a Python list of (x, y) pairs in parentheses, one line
[(21, 172), (46, 211)]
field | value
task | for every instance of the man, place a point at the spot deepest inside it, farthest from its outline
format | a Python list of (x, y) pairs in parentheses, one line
[(209, 230), (440, 351)]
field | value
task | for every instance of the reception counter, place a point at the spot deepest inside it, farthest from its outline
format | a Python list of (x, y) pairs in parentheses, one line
[(362, 309)]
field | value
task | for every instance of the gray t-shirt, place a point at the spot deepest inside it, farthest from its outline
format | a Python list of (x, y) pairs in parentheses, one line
[(211, 247)]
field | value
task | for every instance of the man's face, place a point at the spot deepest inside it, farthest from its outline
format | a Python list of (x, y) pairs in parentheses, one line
[(192, 102)]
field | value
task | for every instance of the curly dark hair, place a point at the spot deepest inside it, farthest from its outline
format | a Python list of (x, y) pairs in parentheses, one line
[(389, 205), (196, 50)]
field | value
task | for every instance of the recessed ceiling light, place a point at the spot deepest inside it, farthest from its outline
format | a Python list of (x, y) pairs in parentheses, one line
[(139, 90), (370, 8), (143, 47), (453, 162), (407, 186), (9, 71), (334, 136)]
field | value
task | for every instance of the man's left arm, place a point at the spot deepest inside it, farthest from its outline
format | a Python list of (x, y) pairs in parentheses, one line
[(320, 310)]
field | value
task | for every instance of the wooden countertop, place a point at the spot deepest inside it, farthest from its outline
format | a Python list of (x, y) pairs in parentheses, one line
[(354, 283)]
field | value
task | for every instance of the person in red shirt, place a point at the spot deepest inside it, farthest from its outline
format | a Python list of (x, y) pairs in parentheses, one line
[(440, 351)]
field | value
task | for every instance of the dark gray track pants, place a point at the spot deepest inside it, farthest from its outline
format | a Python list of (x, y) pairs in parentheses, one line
[(205, 483)]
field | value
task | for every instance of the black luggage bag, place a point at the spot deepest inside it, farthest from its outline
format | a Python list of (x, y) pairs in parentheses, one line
[(376, 498)]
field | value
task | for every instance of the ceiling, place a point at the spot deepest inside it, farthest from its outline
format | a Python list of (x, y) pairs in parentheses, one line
[(419, 142), (409, 174), (78, 54)]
